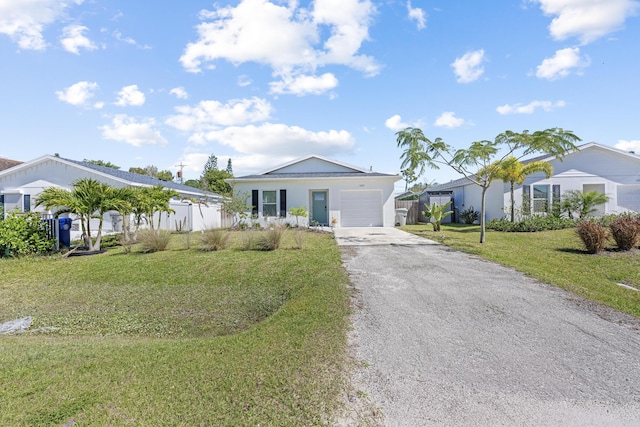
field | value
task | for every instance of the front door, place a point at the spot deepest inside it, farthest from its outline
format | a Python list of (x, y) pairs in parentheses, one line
[(319, 207)]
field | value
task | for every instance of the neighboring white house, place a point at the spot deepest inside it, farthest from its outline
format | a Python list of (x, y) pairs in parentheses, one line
[(20, 186), (333, 193), (592, 167)]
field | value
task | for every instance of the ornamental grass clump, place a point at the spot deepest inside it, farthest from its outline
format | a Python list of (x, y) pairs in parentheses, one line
[(154, 240), (270, 239), (214, 240), (593, 234), (625, 230)]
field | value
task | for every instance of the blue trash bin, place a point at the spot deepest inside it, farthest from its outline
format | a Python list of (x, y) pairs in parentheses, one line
[(64, 231)]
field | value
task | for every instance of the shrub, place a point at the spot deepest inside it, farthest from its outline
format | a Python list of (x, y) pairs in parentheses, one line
[(625, 230), (270, 239), (214, 239), (154, 240), (531, 223), (24, 234), (469, 215), (593, 234)]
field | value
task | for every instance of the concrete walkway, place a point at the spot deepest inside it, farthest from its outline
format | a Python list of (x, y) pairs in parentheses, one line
[(447, 339), (369, 236)]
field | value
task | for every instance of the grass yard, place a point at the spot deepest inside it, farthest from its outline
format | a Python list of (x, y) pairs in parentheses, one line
[(180, 337), (555, 257)]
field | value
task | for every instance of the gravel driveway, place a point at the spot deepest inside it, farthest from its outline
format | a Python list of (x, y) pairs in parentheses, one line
[(449, 339)]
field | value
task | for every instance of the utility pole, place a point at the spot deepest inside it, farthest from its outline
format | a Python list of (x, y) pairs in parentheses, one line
[(181, 166)]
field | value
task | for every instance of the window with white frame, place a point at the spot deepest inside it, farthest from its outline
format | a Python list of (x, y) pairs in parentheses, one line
[(541, 196), (269, 203)]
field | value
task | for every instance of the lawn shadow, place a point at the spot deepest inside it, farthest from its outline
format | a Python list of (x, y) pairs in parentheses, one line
[(573, 251)]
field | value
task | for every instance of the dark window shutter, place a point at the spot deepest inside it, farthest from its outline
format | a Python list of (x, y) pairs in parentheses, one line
[(555, 201), (526, 199), (254, 202), (283, 203)]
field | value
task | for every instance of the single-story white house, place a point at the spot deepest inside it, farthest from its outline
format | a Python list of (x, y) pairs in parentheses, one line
[(592, 167), (333, 193), (20, 186)]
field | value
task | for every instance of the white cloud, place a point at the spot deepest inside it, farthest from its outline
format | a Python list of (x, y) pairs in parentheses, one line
[(210, 115), (448, 119), (79, 94), (128, 40), (561, 64), (73, 39), (530, 107), (633, 145), (468, 67), (395, 123), (24, 21), (587, 19), (288, 38), (303, 85), (130, 95), (179, 92), (128, 129), (418, 15), (271, 139), (244, 80)]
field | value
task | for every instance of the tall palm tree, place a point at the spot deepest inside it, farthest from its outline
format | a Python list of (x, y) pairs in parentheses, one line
[(514, 172)]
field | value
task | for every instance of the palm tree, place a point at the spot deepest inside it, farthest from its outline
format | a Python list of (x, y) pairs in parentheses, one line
[(514, 172), (127, 196), (151, 200), (582, 203), (88, 199), (66, 203)]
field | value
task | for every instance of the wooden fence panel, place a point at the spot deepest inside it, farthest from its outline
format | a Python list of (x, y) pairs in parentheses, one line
[(413, 207)]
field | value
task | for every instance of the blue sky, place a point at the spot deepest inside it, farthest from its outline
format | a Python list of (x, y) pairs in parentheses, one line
[(264, 82)]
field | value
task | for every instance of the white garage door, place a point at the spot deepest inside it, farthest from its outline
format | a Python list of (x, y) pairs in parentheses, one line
[(361, 208)]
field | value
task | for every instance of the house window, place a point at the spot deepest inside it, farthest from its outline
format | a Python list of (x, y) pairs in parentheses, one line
[(541, 198), (1, 206), (27, 203), (269, 203)]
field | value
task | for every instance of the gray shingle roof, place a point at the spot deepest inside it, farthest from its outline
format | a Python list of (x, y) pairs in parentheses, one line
[(8, 163), (141, 179), (315, 175)]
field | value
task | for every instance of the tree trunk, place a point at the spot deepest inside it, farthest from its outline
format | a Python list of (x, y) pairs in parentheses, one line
[(513, 202), (96, 245), (483, 214)]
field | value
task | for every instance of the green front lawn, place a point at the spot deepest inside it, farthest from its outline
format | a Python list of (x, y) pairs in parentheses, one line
[(178, 338), (555, 257)]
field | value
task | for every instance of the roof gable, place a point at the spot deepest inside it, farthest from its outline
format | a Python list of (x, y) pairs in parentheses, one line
[(313, 164)]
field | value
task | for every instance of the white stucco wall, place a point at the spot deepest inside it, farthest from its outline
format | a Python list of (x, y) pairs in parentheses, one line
[(299, 193)]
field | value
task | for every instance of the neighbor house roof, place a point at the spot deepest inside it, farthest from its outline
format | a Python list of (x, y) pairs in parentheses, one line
[(137, 178), (128, 178), (8, 163)]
